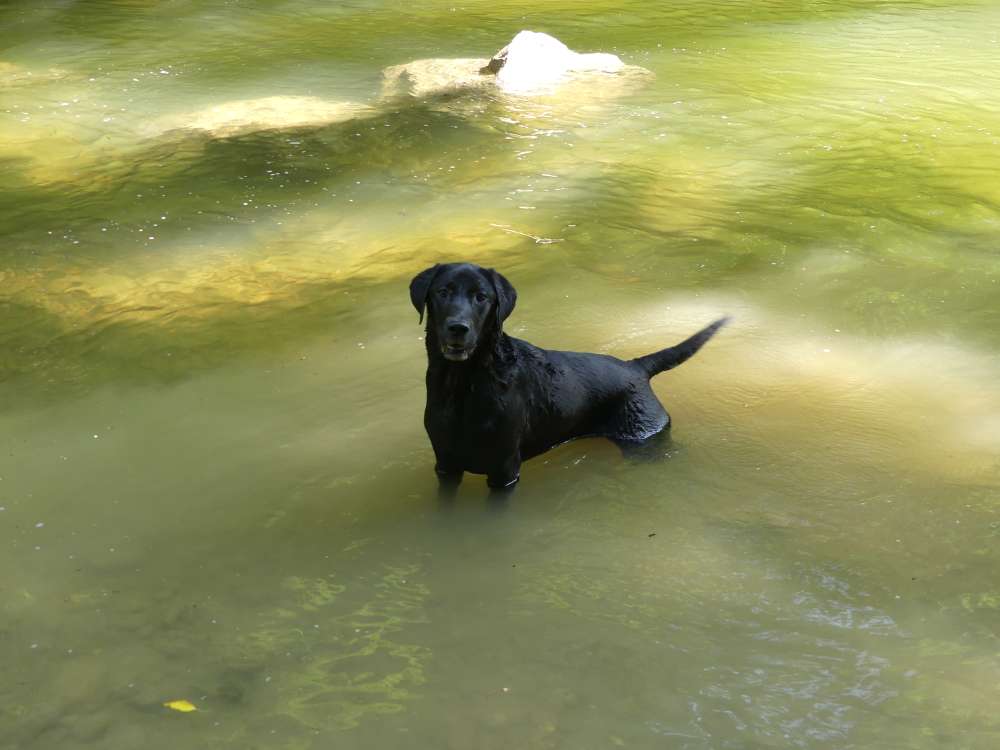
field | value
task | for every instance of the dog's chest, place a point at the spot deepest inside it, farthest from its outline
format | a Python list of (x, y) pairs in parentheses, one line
[(466, 416)]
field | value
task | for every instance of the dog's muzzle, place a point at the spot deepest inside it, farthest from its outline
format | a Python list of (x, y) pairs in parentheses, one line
[(455, 344), (455, 352)]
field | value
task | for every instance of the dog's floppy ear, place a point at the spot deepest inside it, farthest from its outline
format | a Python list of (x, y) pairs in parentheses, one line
[(420, 286), (506, 296)]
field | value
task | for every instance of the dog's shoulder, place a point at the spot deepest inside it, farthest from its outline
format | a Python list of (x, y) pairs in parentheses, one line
[(522, 354)]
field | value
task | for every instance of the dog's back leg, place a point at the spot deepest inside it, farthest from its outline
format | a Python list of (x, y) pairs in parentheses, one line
[(505, 474), (639, 417), (647, 451)]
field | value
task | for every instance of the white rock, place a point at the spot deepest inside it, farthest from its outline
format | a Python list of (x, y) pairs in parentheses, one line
[(536, 62)]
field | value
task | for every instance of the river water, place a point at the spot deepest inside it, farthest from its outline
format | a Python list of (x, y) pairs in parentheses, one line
[(214, 480)]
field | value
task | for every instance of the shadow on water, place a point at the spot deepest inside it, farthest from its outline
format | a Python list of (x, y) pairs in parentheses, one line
[(193, 177), (744, 241), (301, 31)]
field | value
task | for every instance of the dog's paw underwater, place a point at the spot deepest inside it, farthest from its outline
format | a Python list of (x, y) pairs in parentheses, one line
[(494, 400)]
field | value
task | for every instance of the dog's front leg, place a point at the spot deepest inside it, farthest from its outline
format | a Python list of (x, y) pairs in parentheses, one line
[(448, 485), (449, 477), (447, 467)]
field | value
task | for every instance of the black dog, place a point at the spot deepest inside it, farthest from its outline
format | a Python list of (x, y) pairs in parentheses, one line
[(493, 400)]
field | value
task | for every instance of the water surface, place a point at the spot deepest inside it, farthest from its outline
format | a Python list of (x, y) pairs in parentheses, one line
[(214, 481)]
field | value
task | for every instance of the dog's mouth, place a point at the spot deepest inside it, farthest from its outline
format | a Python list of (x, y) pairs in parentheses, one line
[(455, 352)]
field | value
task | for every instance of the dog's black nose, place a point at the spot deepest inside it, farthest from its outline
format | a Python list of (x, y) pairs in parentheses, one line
[(458, 329)]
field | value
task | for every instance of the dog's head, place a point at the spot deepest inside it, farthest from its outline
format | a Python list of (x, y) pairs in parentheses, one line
[(466, 305)]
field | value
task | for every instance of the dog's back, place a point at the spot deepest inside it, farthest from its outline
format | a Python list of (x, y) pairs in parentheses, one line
[(578, 394)]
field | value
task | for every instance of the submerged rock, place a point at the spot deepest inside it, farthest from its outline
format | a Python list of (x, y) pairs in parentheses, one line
[(14, 75), (268, 113), (435, 76), (533, 63)]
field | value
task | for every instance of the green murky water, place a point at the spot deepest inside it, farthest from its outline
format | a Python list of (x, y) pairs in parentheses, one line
[(214, 482)]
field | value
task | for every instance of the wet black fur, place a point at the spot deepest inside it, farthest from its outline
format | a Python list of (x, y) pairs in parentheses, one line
[(509, 400)]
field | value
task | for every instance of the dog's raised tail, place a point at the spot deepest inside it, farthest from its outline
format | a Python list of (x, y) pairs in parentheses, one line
[(668, 358)]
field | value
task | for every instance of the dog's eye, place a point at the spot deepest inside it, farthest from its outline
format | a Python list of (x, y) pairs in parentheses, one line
[(442, 292), (480, 297)]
